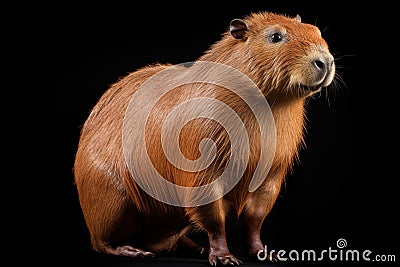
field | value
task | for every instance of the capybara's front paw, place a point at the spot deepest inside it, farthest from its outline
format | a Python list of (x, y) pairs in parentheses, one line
[(223, 259)]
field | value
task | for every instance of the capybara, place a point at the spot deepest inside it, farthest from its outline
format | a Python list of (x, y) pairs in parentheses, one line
[(285, 58)]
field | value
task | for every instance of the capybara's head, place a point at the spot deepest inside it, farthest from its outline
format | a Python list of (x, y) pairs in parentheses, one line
[(283, 53)]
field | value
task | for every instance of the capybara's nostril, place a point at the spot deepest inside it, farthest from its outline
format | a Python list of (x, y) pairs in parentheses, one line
[(320, 65), (323, 63)]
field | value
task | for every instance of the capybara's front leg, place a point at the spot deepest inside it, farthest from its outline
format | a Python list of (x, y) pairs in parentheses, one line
[(219, 252), (211, 218), (256, 210), (253, 223)]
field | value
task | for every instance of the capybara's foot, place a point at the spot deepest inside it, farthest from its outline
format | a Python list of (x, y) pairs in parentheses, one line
[(223, 259), (129, 251)]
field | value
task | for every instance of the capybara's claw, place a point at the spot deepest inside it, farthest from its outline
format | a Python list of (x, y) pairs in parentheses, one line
[(229, 259)]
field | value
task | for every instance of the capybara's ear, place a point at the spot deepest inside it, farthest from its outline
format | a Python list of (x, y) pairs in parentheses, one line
[(238, 29), (298, 18)]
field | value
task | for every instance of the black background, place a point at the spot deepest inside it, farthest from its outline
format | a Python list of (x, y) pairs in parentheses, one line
[(70, 54)]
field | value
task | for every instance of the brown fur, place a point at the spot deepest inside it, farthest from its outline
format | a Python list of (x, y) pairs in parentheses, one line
[(123, 220)]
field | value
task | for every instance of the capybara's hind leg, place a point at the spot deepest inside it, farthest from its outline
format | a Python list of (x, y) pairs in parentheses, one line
[(122, 237), (113, 221)]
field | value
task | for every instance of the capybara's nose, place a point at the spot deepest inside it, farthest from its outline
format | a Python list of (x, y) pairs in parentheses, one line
[(323, 64)]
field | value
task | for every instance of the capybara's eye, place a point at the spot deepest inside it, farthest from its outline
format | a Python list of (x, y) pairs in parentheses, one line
[(275, 37)]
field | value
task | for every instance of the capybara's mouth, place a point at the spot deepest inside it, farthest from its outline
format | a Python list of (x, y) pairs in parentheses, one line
[(313, 88), (317, 87)]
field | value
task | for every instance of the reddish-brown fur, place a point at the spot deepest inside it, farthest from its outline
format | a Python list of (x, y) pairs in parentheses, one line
[(123, 220)]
